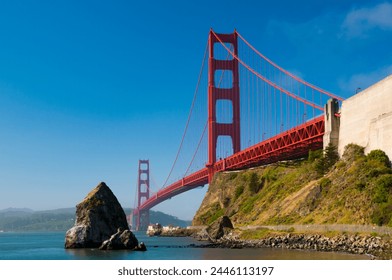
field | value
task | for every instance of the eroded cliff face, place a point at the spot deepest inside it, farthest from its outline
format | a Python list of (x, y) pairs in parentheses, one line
[(98, 217), (356, 190)]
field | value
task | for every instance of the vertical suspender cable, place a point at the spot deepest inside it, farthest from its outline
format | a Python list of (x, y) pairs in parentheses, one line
[(189, 116)]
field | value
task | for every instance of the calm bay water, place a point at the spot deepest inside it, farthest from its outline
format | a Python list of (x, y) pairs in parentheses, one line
[(50, 246)]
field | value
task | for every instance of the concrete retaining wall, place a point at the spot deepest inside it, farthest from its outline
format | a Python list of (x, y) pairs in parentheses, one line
[(366, 118), (328, 227)]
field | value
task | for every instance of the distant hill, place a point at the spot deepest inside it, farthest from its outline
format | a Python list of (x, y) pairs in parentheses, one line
[(13, 219), (163, 219), (8, 210), (24, 219)]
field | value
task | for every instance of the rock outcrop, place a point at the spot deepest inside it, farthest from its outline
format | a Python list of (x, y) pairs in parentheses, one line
[(219, 228), (374, 246), (172, 231), (121, 240), (154, 230), (98, 217)]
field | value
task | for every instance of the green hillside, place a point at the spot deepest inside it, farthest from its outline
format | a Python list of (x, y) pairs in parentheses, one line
[(28, 220), (165, 219), (356, 189)]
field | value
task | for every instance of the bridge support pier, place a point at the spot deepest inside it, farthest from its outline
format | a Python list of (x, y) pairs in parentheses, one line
[(332, 123)]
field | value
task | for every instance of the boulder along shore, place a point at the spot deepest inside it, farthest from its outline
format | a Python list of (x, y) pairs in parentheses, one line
[(377, 247), (374, 246)]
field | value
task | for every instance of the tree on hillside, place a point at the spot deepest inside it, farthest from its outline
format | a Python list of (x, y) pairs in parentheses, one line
[(331, 155), (327, 160)]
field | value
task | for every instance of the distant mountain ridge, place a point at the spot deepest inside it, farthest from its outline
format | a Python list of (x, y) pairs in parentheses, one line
[(11, 209), (25, 219)]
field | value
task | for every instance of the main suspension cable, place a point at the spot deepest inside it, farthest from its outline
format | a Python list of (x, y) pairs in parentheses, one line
[(189, 116), (288, 73), (266, 80)]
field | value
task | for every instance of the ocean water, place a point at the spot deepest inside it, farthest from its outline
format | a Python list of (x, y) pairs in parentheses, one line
[(50, 246)]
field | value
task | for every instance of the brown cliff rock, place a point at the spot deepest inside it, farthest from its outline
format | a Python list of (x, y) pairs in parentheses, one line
[(219, 228)]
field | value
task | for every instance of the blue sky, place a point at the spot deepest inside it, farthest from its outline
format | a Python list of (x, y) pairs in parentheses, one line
[(87, 88)]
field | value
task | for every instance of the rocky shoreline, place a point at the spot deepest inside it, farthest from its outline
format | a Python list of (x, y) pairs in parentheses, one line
[(374, 246), (221, 234)]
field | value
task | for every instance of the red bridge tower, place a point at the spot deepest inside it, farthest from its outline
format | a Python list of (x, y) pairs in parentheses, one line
[(215, 93), (143, 191)]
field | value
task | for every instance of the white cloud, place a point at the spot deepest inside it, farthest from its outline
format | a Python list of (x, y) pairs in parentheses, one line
[(363, 80), (359, 21), (297, 73)]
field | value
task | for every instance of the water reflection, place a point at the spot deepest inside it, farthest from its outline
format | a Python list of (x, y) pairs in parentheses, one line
[(177, 248), (50, 246), (275, 254), (96, 254)]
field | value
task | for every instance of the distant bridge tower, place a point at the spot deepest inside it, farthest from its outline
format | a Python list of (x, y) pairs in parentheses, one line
[(215, 93), (143, 193)]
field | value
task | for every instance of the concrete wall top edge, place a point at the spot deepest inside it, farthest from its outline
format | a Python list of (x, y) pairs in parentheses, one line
[(369, 89), (366, 118)]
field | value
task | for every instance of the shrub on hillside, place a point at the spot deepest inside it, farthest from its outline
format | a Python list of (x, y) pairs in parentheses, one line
[(238, 191), (353, 152), (253, 182), (383, 189), (314, 155), (379, 156), (382, 214), (385, 182)]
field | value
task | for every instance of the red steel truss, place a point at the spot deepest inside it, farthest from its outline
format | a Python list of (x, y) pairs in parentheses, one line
[(292, 144)]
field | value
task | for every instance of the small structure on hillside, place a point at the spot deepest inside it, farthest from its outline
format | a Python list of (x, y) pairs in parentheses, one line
[(154, 229)]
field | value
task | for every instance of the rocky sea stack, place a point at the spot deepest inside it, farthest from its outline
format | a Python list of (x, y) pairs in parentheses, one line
[(98, 217)]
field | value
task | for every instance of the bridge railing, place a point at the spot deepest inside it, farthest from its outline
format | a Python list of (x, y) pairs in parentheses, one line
[(287, 145), (196, 179)]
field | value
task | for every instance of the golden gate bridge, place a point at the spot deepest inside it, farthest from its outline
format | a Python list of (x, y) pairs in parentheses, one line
[(257, 113)]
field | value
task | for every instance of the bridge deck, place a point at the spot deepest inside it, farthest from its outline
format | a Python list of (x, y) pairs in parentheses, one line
[(291, 144)]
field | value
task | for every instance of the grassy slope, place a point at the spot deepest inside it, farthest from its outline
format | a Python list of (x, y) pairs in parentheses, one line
[(356, 190)]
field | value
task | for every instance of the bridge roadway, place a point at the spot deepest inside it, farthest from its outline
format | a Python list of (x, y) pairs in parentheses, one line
[(291, 144)]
